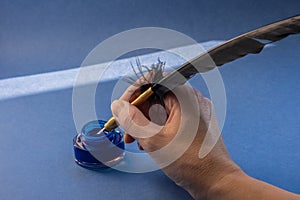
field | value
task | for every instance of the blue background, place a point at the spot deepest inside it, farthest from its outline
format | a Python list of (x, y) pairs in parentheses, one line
[(262, 124)]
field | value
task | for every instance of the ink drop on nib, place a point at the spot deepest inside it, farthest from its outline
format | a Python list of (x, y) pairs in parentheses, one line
[(96, 148)]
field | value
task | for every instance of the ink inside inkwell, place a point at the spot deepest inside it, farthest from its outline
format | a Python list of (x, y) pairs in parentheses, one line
[(98, 150)]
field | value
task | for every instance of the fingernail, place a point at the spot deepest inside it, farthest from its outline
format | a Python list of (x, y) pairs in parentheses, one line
[(116, 107)]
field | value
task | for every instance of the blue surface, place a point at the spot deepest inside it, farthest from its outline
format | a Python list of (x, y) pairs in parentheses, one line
[(263, 92)]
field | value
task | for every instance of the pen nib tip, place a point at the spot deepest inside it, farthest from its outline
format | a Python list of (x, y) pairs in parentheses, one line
[(101, 131)]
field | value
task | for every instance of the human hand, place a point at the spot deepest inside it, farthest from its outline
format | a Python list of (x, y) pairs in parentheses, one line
[(173, 135)]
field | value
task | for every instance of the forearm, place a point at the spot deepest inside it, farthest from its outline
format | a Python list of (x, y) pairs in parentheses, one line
[(238, 186)]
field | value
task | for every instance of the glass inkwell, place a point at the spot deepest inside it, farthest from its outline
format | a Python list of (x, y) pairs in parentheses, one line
[(95, 150)]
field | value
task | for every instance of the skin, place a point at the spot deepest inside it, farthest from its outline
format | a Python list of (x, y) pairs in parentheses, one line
[(214, 176)]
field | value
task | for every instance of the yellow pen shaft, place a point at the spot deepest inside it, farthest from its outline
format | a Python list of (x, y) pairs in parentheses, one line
[(111, 124)]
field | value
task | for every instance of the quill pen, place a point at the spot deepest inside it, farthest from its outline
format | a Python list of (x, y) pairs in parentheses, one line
[(249, 43)]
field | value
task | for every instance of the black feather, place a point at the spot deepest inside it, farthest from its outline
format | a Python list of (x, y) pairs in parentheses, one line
[(249, 43)]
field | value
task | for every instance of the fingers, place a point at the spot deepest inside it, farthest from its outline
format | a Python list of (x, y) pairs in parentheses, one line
[(182, 99), (133, 120), (128, 138)]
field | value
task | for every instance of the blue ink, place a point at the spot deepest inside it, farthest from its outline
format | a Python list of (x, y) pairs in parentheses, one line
[(96, 150)]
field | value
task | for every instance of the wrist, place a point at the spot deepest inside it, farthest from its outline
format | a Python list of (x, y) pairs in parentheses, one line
[(211, 177), (226, 185)]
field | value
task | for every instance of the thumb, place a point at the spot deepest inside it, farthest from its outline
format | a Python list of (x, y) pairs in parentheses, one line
[(133, 120)]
